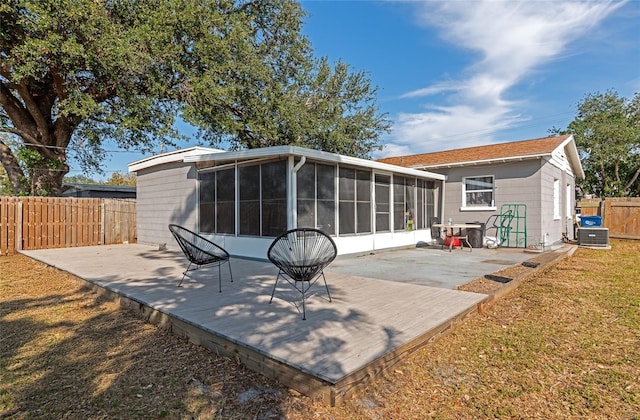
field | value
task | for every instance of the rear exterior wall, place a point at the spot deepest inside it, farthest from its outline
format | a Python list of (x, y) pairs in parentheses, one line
[(166, 194), (529, 182), (515, 183)]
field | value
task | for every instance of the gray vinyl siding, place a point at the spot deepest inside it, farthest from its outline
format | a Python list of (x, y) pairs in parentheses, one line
[(554, 228), (166, 194), (527, 182), (515, 183)]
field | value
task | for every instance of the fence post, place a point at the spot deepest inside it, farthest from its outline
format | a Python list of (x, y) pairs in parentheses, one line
[(19, 226), (103, 218)]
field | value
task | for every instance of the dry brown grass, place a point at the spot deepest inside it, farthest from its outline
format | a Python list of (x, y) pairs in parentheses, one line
[(566, 343)]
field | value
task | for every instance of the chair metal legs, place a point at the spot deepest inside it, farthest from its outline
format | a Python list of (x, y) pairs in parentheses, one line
[(302, 289), (219, 274)]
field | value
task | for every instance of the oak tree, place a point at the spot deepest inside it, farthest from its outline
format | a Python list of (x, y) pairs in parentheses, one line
[(76, 74), (607, 133)]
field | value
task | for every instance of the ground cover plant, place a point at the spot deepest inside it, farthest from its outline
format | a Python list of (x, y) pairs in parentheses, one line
[(565, 343)]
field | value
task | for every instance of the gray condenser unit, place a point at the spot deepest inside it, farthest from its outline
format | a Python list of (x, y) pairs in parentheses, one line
[(593, 236)]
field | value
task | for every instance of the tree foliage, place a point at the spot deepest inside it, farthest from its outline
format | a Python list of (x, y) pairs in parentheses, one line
[(76, 74), (607, 133), (118, 178)]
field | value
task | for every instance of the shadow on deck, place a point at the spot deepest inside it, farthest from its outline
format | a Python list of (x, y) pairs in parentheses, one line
[(385, 306)]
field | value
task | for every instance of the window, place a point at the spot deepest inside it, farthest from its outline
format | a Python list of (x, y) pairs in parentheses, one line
[(274, 198), (425, 208), (226, 201), (478, 192), (354, 206), (217, 201), (403, 203), (262, 192), (316, 197), (363, 201), (326, 198), (383, 209), (249, 205)]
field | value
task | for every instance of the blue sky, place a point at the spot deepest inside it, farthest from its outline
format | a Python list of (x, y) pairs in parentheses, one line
[(456, 73)]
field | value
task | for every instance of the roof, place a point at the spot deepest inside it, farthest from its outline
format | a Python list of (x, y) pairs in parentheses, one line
[(200, 154), (98, 187), (169, 157), (502, 152), (303, 152)]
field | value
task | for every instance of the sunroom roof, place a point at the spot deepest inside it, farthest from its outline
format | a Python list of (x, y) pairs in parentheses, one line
[(281, 151)]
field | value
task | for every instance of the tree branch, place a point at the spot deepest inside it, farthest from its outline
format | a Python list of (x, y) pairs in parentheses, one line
[(633, 179), (34, 111), (10, 165), (22, 134), (15, 110), (58, 83)]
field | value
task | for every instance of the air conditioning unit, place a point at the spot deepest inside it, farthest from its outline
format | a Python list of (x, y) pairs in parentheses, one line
[(593, 236)]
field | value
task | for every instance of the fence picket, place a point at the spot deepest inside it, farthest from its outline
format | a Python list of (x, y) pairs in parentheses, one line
[(54, 222)]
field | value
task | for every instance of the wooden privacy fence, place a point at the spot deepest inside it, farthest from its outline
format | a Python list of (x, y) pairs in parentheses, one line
[(620, 215), (56, 222)]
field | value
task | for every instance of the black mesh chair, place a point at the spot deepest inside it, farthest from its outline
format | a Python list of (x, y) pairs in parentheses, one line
[(301, 255), (200, 251)]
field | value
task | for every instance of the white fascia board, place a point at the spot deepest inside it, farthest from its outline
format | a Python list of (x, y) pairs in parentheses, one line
[(482, 162), (571, 150), (169, 157), (277, 151)]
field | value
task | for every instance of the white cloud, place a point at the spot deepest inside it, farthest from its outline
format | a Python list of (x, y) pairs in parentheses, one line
[(513, 38)]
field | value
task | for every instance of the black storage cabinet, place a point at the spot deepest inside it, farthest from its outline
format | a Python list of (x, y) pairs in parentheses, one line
[(476, 236)]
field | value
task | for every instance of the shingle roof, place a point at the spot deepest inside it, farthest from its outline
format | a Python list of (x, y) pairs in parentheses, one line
[(512, 150)]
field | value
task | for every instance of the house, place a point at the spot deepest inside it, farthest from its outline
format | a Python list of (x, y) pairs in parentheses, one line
[(244, 199), (98, 191), (531, 181)]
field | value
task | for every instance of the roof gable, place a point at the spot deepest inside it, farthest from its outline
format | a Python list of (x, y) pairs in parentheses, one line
[(502, 151)]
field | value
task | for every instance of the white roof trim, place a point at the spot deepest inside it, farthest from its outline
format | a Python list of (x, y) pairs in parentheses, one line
[(169, 157), (312, 154), (573, 156)]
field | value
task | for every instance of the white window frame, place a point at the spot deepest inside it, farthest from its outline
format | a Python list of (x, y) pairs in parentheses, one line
[(492, 206)]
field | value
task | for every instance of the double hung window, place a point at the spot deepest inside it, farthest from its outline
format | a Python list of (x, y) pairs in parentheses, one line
[(478, 192)]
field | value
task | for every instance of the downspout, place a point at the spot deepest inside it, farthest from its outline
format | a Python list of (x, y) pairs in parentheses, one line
[(293, 210)]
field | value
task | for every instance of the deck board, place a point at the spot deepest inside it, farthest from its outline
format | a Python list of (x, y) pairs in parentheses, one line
[(367, 321)]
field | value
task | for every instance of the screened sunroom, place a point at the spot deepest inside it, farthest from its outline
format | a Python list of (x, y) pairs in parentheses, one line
[(244, 199)]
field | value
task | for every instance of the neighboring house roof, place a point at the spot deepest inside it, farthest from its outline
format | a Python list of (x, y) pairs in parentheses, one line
[(495, 153), (102, 190)]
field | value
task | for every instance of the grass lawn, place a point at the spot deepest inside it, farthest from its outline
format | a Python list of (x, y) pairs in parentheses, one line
[(566, 343)]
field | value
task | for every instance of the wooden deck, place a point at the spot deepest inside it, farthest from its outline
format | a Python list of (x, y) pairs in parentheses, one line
[(370, 325)]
